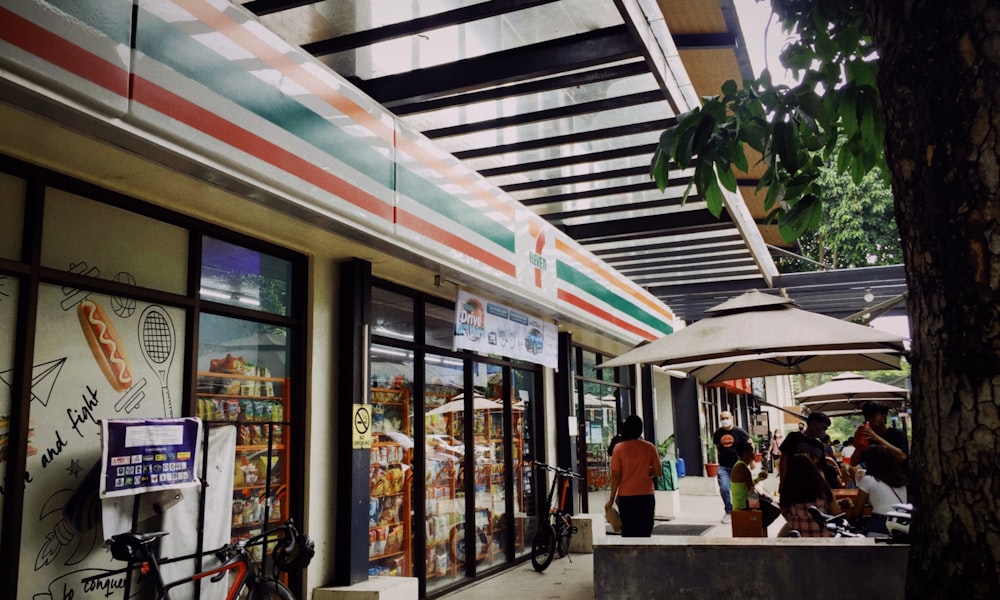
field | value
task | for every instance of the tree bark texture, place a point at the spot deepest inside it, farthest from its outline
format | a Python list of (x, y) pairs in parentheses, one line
[(939, 81)]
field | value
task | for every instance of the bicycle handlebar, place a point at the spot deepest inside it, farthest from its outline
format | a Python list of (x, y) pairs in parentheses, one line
[(558, 470)]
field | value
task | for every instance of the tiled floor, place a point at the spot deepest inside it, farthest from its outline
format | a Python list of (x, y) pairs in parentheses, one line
[(574, 580)]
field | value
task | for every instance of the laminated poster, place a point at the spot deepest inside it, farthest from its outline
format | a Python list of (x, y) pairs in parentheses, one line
[(142, 455)]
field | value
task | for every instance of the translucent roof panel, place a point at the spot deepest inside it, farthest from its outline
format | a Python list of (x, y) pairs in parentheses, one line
[(467, 40)]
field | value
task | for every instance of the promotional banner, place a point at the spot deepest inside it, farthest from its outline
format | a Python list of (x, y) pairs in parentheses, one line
[(141, 455), (489, 327)]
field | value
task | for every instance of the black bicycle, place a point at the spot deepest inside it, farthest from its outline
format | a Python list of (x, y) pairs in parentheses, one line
[(838, 525), (292, 551), (556, 529)]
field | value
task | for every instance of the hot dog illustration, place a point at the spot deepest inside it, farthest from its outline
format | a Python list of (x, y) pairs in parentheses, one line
[(106, 344)]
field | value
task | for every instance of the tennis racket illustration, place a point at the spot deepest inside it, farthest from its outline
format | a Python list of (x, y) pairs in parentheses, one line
[(157, 339)]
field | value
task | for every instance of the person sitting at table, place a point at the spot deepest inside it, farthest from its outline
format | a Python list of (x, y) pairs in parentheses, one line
[(831, 470), (805, 486), (741, 479), (882, 485)]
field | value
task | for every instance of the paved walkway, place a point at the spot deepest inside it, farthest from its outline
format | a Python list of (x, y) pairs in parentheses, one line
[(565, 580)]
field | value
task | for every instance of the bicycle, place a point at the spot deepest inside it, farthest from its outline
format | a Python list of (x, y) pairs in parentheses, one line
[(835, 524), (292, 551), (554, 532)]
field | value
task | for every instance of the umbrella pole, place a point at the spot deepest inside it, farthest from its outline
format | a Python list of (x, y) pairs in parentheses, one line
[(783, 409)]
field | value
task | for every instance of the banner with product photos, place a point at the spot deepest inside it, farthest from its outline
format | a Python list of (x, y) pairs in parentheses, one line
[(142, 455), (489, 327)]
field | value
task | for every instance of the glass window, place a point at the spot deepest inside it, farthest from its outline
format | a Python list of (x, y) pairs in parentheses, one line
[(8, 320), (523, 452), (589, 365), (244, 394), (103, 357), (392, 315), (12, 191), (440, 326), (445, 452), (91, 238), (248, 345), (492, 462), (239, 276), (390, 548)]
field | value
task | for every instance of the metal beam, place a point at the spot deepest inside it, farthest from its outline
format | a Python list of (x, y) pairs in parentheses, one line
[(393, 31), (548, 84), (579, 51), (572, 138), (550, 114)]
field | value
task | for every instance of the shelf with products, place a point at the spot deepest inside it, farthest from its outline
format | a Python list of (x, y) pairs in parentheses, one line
[(444, 501), (444, 484), (257, 405), (390, 470), (389, 535)]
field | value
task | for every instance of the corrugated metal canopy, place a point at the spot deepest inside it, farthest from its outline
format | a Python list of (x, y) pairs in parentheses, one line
[(560, 104)]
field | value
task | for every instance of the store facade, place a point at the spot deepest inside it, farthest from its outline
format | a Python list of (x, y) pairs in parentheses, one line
[(151, 180)]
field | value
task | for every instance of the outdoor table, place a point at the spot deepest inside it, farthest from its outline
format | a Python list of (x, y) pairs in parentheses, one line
[(852, 495)]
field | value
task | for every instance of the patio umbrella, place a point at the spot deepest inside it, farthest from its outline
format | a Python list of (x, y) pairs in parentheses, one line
[(847, 393), (457, 404), (757, 334)]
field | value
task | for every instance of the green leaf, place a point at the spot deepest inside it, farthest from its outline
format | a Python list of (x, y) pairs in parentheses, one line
[(811, 104), (789, 149), (660, 169), (668, 141), (739, 157), (702, 134), (726, 175), (729, 88), (685, 148), (805, 214), (712, 193)]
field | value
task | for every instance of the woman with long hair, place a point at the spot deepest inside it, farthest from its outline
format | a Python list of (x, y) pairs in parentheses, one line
[(804, 486), (883, 484)]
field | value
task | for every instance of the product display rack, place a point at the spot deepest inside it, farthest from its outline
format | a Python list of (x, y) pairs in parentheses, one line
[(258, 407), (446, 497), (389, 529)]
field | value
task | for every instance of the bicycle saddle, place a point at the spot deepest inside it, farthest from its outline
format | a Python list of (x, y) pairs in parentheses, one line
[(824, 519), (130, 546)]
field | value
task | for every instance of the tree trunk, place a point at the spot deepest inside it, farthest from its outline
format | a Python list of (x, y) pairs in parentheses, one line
[(939, 79)]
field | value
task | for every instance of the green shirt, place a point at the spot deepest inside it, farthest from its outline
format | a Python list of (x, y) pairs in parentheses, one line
[(739, 491)]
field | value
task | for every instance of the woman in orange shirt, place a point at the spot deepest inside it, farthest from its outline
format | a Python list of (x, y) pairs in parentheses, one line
[(634, 464)]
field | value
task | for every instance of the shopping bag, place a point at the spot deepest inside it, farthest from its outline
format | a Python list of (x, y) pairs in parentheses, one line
[(613, 518)]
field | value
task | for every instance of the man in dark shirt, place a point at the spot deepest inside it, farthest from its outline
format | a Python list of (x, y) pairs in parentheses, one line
[(806, 441), (878, 432), (726, 437)]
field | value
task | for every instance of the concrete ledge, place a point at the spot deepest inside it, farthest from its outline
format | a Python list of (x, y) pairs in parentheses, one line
[(699, 486), (376, 588), (712, 568), (590, 530), (668, 504)]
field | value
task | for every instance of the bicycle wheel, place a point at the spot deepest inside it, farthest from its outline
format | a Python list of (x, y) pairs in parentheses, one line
[(565, 532), (544, 547), (270, 589)]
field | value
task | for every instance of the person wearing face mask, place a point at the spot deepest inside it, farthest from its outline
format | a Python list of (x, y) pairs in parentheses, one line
[(726, 438)]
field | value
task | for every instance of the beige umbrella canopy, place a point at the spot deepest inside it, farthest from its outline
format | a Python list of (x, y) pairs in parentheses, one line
[(457, 404), (847, 393), (757, 334)]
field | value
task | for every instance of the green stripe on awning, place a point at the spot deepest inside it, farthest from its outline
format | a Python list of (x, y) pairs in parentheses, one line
[(570, 275)]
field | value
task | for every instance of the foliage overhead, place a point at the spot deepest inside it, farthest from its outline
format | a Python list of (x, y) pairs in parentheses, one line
[(858, 228), (795, 129)]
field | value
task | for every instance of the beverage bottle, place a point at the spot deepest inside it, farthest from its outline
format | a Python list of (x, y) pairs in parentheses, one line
[(754, 501)]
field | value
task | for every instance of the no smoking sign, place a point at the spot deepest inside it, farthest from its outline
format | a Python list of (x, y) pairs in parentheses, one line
[(361, 427)]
